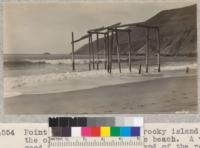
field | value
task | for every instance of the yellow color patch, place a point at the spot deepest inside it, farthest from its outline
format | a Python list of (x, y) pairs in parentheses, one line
[(105, 131)]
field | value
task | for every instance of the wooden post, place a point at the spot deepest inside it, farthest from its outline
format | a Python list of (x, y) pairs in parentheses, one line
[(89, 44), (140, 69), (97, 51), (158, 48), (108, 53), (118, 51), (187, 70), (105, 42), (111, 50), (129, 47), (73, 63), (147, 50), (92, 48)]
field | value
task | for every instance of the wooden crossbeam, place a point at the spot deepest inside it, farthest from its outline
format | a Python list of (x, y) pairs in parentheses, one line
[(97, 29), (140, 24), (128, 25), (82, 38), (146, 26), (97, 32), (114, 25), (122, 30)]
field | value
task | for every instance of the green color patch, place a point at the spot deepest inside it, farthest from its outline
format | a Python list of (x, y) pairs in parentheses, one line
[(115, 131)]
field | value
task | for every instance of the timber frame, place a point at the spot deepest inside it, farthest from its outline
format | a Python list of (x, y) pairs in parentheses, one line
[(110, 33)]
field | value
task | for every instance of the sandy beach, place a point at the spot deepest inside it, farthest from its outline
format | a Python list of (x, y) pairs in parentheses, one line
[(163, 95)]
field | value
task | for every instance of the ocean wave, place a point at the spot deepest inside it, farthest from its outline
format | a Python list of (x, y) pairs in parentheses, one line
[(179, 66), (13, 83), (53, 62), (58, 61)]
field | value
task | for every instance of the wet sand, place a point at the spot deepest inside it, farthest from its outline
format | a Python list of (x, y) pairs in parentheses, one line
[(166, 95)]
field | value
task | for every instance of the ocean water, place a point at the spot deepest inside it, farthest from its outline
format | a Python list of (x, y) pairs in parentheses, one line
[(38, 64), (16, 65), (33, 69)]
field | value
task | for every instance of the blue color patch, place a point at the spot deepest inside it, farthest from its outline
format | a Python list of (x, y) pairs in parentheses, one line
[(135, 131), (125, 131)]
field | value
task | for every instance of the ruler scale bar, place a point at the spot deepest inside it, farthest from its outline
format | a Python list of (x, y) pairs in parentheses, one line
[(96, 132)]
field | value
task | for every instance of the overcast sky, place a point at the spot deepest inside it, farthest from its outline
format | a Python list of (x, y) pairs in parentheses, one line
[(39, 28)]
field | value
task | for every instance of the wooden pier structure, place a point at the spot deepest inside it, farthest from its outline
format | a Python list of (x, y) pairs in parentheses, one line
[(110, 37)]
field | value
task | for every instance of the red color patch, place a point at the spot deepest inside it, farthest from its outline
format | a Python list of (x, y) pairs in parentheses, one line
[(95, 132)]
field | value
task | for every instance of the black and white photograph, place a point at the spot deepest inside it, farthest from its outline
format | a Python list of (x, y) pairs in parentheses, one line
[(100, 57)]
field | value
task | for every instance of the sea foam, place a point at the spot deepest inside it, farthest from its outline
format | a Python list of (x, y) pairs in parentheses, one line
[(11, 84), (61, 61)]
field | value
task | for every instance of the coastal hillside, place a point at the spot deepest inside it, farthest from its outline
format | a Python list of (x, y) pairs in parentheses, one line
[(178, 34)]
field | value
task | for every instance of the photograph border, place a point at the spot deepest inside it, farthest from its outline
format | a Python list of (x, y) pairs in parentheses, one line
[(148, 118)]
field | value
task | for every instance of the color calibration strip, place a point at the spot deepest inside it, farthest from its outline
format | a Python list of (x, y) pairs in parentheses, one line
[(96, 126)]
